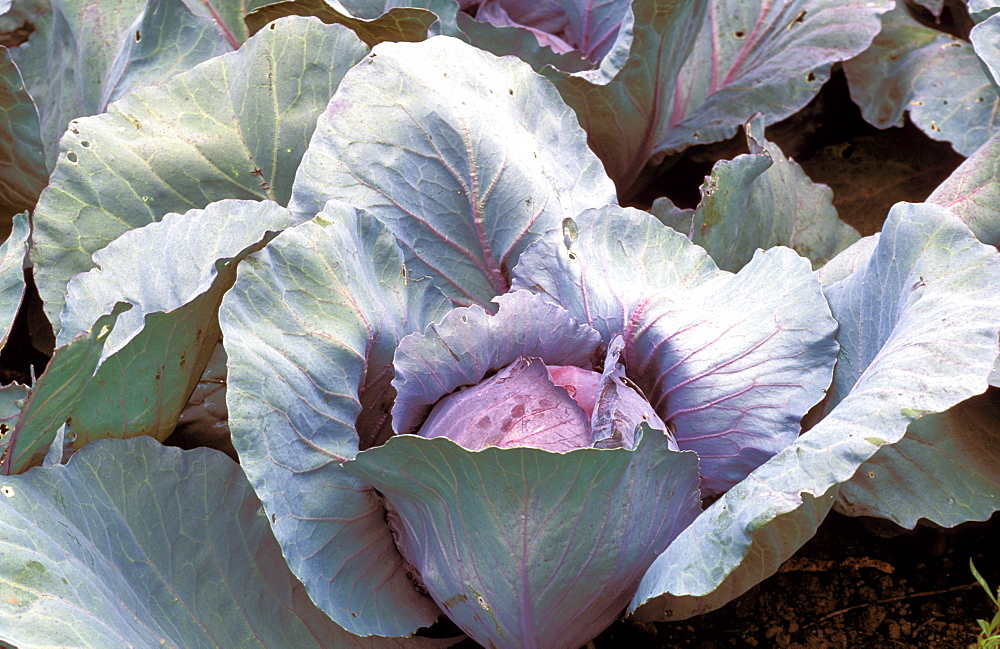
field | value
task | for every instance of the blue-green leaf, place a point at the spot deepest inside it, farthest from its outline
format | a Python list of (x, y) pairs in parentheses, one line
[(310, 328), (945, 470), (13, 254), (232, 127), (761, 200), (528, 548), (133, 544), (935, 76), (466, 157), (918, 332), (160, 347), (22, 160)]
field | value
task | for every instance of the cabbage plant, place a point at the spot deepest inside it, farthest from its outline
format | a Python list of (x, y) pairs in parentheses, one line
[(463, 382)]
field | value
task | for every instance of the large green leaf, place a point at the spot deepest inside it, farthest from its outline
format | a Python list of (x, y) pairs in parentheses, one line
[(761, 200), (84, 55), (310, 329), (233, 127), (160, 347), (136, 545), (945, 470), (530, 548), (935, 76), (466, 157), (54, 395), (972, 192), (22, 162), (918, 334), (13, 254)]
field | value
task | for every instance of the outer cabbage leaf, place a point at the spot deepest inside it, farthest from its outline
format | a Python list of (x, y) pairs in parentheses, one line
[(745, 58), (980, 10), (763, 56), (468, 343), (908, 347), (83, 55), (985, 39), (373, 22), (945, 470), (761, 200), (13, 254), (54, 395), (160, 347), (972, 192), (22, 162), (935, 76), (310, 328), (466, 157), (731, 362), (528, 548), (232, 127), (133, 544)]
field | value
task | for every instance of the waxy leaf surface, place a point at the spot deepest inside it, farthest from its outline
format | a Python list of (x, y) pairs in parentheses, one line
[(133, 544), (935, 76), (466, 157), (945, 470), (233, 127), (160, 347), (731, 361), (761, 200), (22, 161), (972, 192), (13, 253), (909, 346), (528, 548), (310, 328), (468, 343)]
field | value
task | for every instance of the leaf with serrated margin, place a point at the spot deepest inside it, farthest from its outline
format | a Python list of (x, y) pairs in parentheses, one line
[(137, 545), (310, 328), (761, 200), (530, 548), (232, 127), (466, 157), (407, 22), (908, 346), (54, 396), (945, 470), (159, 348), (22, 161), (13, 253), (935, 76)]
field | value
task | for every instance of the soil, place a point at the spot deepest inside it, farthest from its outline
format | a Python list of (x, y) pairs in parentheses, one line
[(850, 588)]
